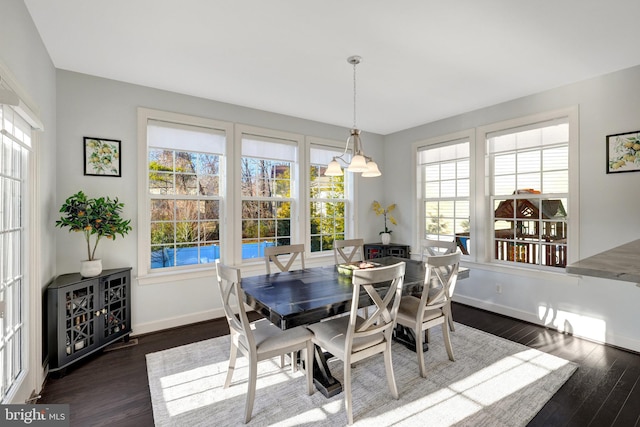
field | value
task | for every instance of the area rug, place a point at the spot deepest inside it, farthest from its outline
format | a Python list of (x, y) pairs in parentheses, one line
[(493, 382)]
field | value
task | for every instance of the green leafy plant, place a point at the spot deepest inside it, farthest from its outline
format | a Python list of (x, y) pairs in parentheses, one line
[(379, 210), (99, 217)]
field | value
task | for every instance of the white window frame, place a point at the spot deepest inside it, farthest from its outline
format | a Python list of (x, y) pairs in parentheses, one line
[(484, 217), (30, 303), (296, 232), (350, 184), (146, 275), (452, 138)]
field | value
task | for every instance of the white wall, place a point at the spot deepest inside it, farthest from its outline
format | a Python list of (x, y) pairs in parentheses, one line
[(23, 54), (92, 106), (609, 204)]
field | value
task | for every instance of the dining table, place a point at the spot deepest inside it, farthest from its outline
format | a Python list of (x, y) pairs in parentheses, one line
[(300, 297)]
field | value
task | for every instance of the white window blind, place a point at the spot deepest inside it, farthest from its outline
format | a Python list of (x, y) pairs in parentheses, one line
[(185, 137)]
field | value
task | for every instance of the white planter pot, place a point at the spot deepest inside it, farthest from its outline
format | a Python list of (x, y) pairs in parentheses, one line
[(386, 238), (90, 268)]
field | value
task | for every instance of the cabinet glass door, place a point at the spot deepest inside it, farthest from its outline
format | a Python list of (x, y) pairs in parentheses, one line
[(115, 304), (80, 324)]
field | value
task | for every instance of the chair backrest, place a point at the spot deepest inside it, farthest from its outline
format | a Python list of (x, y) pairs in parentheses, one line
[(385, 299), (271, 254), (229, 284), (346, 250), (441, 275), (432, 247)]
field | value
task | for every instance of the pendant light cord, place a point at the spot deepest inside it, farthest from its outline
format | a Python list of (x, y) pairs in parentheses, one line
[(354, 94)]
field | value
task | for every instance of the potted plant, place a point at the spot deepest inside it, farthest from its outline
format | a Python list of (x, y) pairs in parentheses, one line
[(94, 218), (385, 235)]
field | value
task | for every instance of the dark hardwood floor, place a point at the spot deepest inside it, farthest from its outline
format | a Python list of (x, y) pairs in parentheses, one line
[(111, 388)]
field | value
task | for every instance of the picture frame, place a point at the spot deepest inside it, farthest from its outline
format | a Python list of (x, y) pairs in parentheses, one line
[(102, 157), (623, 152)]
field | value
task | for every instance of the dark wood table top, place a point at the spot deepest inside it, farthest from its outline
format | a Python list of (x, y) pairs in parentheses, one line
[(300, 297)]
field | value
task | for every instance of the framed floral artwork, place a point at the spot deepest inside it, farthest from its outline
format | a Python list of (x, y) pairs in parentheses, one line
[(623, 152), (101, 157)]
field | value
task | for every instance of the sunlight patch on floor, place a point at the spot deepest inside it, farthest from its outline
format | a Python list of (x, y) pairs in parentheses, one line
[(496, 382), (577, 324), (195, 388)]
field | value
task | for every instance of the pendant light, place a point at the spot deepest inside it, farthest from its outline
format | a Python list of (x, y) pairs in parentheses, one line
[(360, 163)]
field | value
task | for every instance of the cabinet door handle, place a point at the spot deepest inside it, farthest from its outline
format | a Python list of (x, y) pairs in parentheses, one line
[(98, 313), (104, 311)]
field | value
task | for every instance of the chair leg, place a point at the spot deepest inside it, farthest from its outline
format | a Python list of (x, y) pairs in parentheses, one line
[(419, 351), (232, 365), (447, 312), (308, 366), (347, 391), (251, 388), (391, 379), (447, 340)]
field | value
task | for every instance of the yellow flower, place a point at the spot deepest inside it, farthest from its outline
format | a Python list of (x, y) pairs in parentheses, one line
[(379, 210)]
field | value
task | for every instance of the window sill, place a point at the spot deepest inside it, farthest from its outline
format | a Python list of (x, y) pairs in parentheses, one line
[(559, 275), (253, 267), (182, 274)]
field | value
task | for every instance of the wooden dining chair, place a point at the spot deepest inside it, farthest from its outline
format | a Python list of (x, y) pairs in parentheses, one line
[(355, 338), (431, 247), (345, 251), (259, 340), (272, 254), (431, 309), (351, 250)]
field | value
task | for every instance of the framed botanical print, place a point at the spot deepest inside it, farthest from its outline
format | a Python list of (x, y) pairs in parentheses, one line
[(623, 152), (102, 157)]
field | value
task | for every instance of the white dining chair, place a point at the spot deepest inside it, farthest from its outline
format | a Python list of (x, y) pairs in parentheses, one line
[(259, 340), (272, 254), (431, 247), (350, 250), (355, 338), (431, 309)]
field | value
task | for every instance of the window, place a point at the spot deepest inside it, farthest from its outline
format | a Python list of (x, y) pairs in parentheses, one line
[(328, 200), (528, 172), (184, 187), (268, 167), (444, 170), (15, 147)]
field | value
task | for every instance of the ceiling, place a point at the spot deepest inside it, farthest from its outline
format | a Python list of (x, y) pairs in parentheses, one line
[(422, 60)]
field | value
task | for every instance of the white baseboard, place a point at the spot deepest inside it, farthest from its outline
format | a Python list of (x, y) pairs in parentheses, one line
[(610, 338), (498, 308), (145, 328)]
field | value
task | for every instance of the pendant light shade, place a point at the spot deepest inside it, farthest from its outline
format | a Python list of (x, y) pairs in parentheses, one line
[(333, 169), (372, 170), (358, 164)]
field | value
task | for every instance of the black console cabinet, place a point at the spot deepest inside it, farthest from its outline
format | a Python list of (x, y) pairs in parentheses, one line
[(378, 250), (86, 314)]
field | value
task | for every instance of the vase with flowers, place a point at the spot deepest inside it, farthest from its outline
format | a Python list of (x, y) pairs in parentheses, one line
[(385, 235), (95, 218)]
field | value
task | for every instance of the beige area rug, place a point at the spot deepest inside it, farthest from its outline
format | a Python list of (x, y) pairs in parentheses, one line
[(493, 382)]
